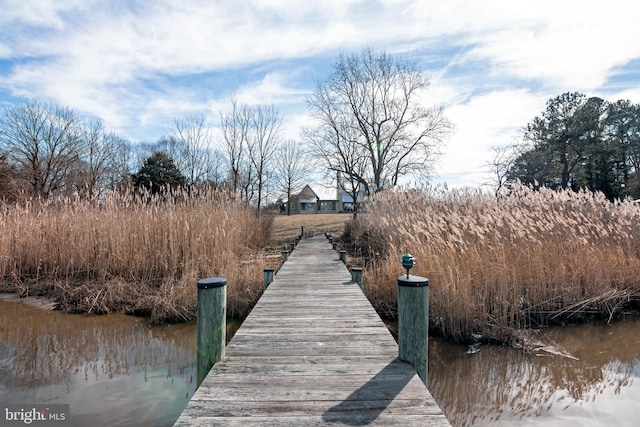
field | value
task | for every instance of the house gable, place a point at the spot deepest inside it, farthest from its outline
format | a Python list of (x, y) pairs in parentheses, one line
[(307, 201), (307, 195)]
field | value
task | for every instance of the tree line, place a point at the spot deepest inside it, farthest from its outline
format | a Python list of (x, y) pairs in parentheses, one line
[(48, 151), (578, 142), (370, 127)]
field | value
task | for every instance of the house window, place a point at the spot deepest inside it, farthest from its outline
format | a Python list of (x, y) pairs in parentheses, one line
[(327, 206)]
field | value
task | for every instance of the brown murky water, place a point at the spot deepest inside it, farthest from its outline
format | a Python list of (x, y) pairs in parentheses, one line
[(595, 382), (117, 371), (111, 370)]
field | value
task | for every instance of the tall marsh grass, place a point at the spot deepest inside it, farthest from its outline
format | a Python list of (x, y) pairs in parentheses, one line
[(134, 254), (495, 264)]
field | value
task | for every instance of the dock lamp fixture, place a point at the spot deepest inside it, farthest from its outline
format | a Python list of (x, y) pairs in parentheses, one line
[(408, 262)]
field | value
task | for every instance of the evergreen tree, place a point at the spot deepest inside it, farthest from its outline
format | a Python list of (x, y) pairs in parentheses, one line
[(582, 143), (158, 172)]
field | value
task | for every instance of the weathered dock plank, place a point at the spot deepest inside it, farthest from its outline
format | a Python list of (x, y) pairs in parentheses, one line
[(313, 351)]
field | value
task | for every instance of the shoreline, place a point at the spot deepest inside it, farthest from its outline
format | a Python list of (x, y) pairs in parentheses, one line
[(34, 301)]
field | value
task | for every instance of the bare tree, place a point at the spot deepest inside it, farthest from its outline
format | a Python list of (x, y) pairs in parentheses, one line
[(234, 124), (262, 143), (335, 146), (291, 169), (118, 174), (250, 135), (193, 137), (215, 168), (42, 141), (372, 101), (7, 172), (102, 162), (501, 165)]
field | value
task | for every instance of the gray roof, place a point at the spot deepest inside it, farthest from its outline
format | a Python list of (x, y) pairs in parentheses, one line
[(325, 192)]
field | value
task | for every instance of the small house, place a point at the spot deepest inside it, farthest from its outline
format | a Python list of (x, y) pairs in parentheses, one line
[(317, 198)]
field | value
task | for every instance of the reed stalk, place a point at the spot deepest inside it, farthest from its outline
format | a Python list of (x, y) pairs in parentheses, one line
[(524, 259), (134, 253)]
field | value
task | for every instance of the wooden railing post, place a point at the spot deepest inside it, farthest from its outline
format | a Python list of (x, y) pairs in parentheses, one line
[(268, 277), (356, 275), (413, 322), (212, 324)]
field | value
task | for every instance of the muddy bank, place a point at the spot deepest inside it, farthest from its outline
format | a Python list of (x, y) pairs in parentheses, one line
[(33, 301)]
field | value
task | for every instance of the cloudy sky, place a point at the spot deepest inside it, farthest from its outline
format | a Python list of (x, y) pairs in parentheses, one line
[(139, 65)]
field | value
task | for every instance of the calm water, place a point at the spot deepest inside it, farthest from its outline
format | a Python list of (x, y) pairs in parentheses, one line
[(115, 370), (595, 384), (111, 370)]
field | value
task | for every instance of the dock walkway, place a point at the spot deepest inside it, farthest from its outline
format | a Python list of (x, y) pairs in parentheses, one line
[(313, 351)]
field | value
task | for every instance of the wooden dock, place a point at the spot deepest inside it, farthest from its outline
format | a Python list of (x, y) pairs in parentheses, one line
[(313, 351)]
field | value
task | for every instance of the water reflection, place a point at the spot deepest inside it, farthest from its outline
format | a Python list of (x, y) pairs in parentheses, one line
[(501, 385), (116, 370), (112, 370)]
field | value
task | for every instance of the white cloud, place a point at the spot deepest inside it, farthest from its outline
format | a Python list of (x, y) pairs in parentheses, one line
[(273, 88), (294, 122), (41, 13), (482, 123), (5, 51), (563, 44), (121, 60)]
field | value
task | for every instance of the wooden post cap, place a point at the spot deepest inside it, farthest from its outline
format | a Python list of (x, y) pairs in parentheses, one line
[(211, 282), (268, 269), (413, 281)]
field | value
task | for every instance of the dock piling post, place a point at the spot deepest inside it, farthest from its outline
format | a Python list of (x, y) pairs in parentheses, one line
[(343, 256), (211, 324), (268, 277), (356, 275), (413, 320), (284, 253)]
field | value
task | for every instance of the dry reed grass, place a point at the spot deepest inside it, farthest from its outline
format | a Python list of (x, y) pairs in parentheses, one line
[(139, 255), (523, 259)]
